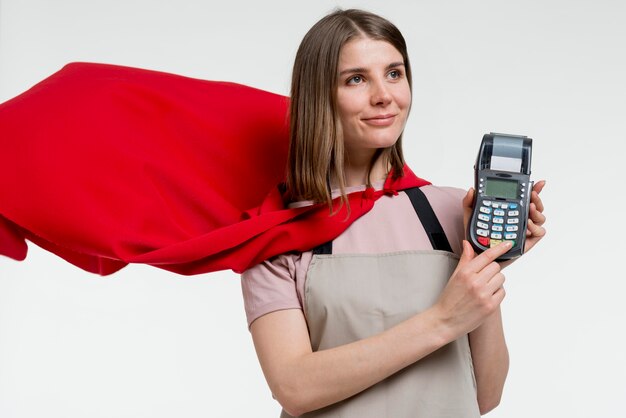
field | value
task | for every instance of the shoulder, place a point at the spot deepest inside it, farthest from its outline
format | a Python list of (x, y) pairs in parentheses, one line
[(280, 265), (436, 194), (270, 286), (446, 201)]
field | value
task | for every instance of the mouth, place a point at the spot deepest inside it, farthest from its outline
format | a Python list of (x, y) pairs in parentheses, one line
[(380, 120)]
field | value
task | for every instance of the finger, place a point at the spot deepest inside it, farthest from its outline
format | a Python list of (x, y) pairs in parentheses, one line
[(468, 253), (499, 295), (537, 217), (533, 238), (480, 262), (534, 198), (495, 283), (536, 230), (538, 187), (490, 271), (534, 195)]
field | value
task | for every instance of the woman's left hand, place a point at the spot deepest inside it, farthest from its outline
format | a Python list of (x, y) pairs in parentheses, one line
[(534, 228)]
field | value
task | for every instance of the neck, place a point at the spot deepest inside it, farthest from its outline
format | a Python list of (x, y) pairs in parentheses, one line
[(356, 169)]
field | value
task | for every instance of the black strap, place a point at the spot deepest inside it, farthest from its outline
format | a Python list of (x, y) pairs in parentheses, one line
[(427, 217), (325, 248), (429, 220)]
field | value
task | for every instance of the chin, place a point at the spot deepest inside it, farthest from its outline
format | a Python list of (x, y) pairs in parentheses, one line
[(384, 142), (373, 140)]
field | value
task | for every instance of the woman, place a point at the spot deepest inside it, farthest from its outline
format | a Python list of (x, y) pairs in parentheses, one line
[(379, 322)]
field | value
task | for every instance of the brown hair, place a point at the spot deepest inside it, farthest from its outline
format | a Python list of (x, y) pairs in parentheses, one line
[(316, 151)]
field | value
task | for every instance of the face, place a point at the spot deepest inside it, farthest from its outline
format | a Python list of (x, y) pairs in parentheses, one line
[(373, 95)]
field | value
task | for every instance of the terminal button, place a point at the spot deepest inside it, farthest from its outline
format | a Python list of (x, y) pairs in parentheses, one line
[(495, 242), (482, 225)]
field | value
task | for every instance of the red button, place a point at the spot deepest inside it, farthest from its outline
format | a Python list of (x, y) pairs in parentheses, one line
[(484, 241)]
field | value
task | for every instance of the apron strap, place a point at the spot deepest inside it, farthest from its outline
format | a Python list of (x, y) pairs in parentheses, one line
[(325, 248), (427, 217), (429, 220)]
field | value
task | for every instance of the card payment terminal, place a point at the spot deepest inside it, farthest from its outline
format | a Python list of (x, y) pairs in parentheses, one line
[(502, 197)]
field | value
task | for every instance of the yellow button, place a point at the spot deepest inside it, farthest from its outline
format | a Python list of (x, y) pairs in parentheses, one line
[(494, 242)]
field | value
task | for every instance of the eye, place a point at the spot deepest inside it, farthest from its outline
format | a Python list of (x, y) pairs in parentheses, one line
[(395, 74), (357, 79)]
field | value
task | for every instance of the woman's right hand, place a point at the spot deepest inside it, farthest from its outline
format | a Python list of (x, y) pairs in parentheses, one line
[(474, 290)]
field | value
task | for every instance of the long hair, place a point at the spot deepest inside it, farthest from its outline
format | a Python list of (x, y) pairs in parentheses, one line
[(316, 148)]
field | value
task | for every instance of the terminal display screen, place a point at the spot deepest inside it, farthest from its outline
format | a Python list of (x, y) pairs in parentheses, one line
[(506, 189)]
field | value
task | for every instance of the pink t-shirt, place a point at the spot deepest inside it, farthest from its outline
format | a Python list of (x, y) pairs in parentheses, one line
[(391, 225)]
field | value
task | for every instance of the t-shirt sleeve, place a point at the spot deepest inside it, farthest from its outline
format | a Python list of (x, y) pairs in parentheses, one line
[(270, 286)]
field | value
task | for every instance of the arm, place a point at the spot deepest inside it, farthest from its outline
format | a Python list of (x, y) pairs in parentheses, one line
[(491, 361), (302, 380), (489, 352)]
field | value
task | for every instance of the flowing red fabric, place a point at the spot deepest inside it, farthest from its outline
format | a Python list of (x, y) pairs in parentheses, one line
[(106, 165)]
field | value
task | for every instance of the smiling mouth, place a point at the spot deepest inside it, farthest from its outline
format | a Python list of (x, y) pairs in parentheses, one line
[(382, 120)]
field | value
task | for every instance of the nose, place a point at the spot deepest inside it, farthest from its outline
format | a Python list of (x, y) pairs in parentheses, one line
[(379, 95)]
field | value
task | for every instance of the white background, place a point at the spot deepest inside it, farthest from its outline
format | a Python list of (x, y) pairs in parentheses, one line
[(147, 343)]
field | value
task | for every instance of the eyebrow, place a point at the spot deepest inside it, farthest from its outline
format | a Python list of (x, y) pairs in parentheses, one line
[(364, 70)]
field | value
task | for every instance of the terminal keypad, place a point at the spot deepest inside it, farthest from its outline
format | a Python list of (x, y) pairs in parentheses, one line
[(497, 221)]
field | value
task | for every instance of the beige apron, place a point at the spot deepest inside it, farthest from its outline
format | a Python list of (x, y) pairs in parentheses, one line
[(349, 297)]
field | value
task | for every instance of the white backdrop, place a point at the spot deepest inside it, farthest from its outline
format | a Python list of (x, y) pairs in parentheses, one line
[(147, 343)]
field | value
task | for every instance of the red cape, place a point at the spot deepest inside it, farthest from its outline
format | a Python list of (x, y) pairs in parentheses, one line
[(106, 165)]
